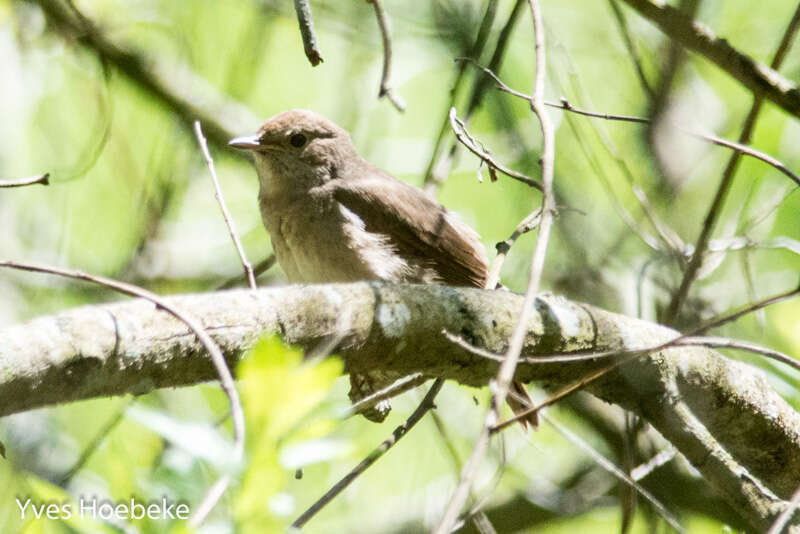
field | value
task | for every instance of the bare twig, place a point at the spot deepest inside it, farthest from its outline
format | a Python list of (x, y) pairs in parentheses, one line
[(662, 458), (260, 268), (630, 355), (94, 444), (685, 340), (565, 391), (785, 516), (248, 269), (438, 168), (431, 181), (460, 130), (566, 106), (727, 343), (388, 443), (217, 358), (736, 147), (400, 386), (479, 518), (615, 471), (386, 89), (505, 374), (526, 225), (43, 179), (727, 318), (690, 274), (630, 46), (309, 35)]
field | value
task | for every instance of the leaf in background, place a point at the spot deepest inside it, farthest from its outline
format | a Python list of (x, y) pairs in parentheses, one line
[(198, 439), (278, 391)]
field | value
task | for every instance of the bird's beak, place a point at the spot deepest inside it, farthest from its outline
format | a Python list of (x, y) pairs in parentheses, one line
[(245, 142)]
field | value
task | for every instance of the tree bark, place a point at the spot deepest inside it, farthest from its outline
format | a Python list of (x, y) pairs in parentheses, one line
[(721, 414)]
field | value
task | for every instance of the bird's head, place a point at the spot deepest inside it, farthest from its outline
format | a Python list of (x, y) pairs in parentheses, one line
[(297, 149)]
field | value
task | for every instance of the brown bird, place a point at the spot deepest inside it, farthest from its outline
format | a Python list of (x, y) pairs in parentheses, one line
[(334, 217)]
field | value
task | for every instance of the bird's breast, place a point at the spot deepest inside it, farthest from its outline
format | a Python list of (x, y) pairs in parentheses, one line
[(317, 240)]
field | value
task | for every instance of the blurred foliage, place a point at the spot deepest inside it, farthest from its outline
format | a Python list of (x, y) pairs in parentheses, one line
[(279, 392), (131, 198)]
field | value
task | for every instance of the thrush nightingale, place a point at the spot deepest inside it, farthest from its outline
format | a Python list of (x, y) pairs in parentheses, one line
[(335, 217)]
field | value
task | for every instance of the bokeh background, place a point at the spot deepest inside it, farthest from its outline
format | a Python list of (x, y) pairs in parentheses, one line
[(131, 198)]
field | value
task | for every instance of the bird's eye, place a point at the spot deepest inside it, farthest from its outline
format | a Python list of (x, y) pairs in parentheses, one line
[(297, 140)]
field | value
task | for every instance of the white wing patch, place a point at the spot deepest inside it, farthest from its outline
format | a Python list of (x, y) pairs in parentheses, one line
[(374, 250)]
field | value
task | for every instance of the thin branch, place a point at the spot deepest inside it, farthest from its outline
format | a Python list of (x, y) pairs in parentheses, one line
[(217, 358), (715, 209), (460, 130), (505, 374), (632, 354), (262, 267), (785, 516), (386, 89), (738, 148), (43, 179), (309, 35), (686, 340), (248, 268), (727, 343), (727, 318), (662, 458), (624, 31), (400, 386), (437, 169), (432, 180), (93, 445), (566, 106), (479, 519), (426, 404), (760, 79), (526, 225), (616, 472), (683, 341)]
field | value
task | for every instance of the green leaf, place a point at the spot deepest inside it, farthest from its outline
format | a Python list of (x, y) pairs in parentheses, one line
[(280, 393)]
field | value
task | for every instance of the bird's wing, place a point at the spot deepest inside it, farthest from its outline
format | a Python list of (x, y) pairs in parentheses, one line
[(436, 237)]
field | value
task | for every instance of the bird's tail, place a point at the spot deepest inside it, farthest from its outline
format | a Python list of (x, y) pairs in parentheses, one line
[(519, 401)]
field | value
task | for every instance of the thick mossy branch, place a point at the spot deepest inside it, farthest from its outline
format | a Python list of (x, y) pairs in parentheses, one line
[(721, 414)]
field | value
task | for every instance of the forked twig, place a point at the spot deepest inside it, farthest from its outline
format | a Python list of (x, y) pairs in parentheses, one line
[(460, 130)]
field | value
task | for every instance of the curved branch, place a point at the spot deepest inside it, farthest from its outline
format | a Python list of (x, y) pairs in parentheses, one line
[(721, 414)]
